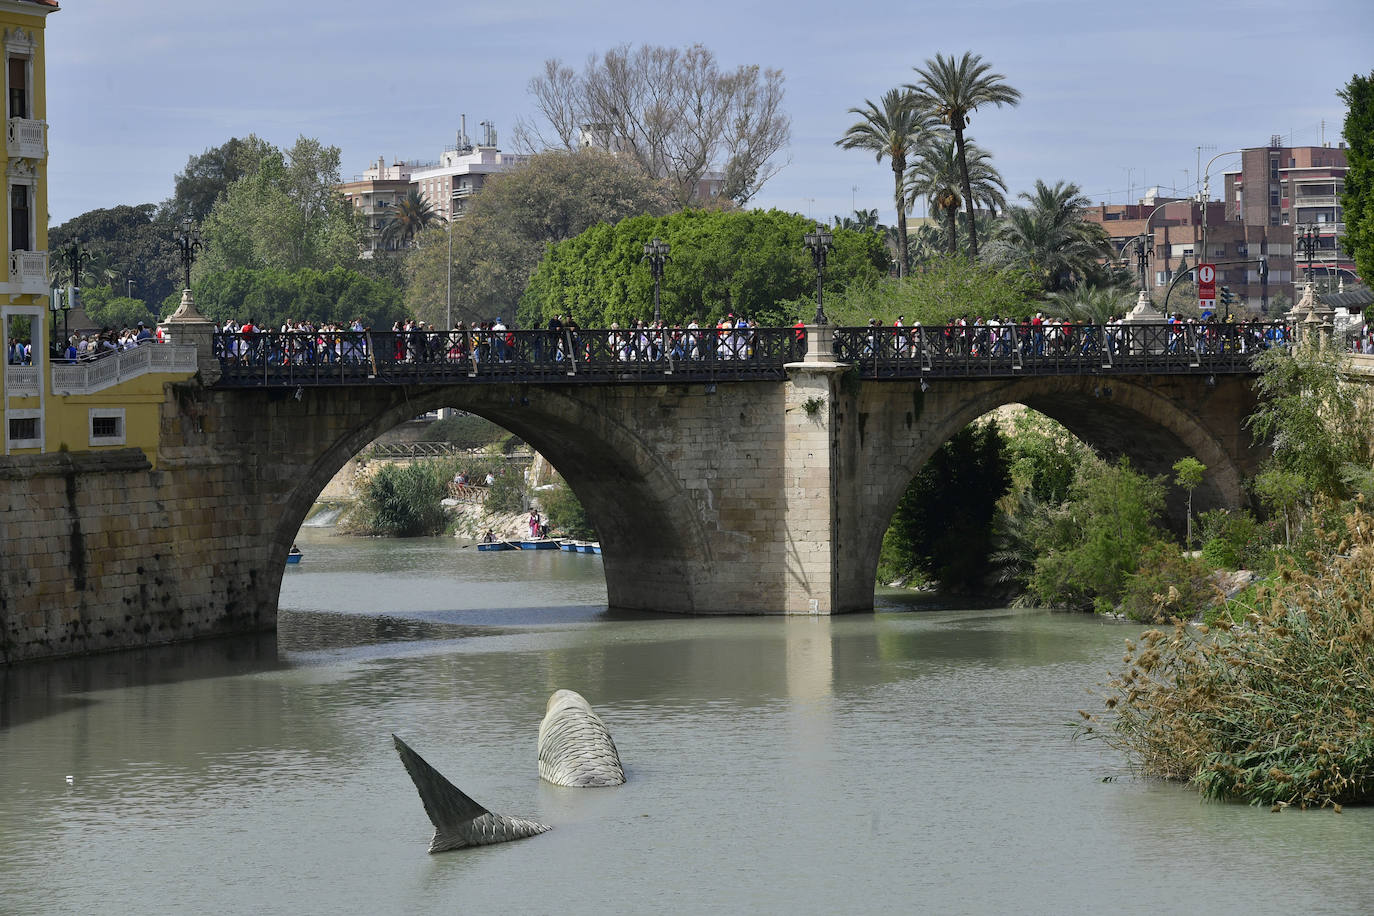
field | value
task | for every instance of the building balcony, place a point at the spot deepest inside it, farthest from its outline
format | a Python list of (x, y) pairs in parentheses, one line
[(28, 273), (26, 139)]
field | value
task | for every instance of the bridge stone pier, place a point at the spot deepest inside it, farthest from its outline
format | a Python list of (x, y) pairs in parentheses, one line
[(742, 497)]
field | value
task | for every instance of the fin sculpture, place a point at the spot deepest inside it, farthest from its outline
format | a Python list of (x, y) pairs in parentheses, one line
[(575, 749), (458, 820)]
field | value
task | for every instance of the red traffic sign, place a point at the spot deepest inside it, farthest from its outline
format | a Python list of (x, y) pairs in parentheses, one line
[(1207, 281)]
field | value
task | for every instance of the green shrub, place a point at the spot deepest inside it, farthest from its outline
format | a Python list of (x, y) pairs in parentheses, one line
[(1167, 586), (1234, 540), (565, 514), (1274, 711), (402, 501), (507, 494)]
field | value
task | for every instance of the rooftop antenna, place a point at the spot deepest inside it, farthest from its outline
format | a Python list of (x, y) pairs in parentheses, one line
[(1200, 149)]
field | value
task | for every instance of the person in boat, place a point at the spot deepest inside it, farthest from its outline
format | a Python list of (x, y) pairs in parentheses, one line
[(489, 537), (295, 551), (534, 524)]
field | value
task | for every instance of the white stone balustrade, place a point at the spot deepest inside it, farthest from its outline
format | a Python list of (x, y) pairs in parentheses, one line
[(95, 375)]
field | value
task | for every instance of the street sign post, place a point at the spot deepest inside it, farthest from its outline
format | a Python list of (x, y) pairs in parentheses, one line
[(1207, 286)]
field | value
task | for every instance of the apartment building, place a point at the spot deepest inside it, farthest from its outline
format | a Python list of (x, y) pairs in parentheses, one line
[(374, 197), (1280, 197)]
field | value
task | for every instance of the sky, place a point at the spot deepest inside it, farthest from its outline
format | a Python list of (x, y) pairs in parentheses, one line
[(1115, 97)]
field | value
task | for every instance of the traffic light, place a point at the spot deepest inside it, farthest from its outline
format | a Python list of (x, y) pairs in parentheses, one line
[(1227, 299)]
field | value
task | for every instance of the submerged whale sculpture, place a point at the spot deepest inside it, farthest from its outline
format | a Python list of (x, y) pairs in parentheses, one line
[(458, 820), (575, 749)]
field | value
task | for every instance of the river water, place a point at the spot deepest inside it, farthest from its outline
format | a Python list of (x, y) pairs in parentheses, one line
[(905, 761)]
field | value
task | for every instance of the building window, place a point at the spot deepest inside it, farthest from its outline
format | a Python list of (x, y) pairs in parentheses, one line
[(1274, 169), (1274, 197), (23, 429), (107, 426), (18, 72), (20, 235)]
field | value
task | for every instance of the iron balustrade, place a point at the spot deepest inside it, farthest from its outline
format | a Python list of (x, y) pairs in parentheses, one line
[(297, 358), (1012, 350), (303, 358)]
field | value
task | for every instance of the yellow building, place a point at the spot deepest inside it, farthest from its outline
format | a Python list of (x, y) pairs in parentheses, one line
[(49, 406)]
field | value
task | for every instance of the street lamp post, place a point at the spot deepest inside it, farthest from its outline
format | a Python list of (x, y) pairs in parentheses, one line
[(819, 241), (656, 253), (74, 255), (1307, 238), (129, 286), (189, 242)]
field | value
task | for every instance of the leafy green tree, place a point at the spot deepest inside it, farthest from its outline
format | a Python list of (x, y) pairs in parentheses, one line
[(284, 212), (1110, 517), (1090, 303), (1358, 198), (270, 297), (749, 263), (1313, 415), (205, 178), (938, 292), (107, 310), (1050, 236), (934, 174), (565, 513), (943, 523), (1045, 458), (1188, 473), (952, 90), (892, 128), (130, 243), (510, 225)]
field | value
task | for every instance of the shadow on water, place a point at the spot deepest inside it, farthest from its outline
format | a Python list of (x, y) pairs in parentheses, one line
[(35, 690)]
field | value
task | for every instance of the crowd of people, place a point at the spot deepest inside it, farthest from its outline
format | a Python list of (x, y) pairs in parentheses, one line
[(85, 346)]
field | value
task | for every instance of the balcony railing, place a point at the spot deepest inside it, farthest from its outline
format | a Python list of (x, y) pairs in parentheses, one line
[(21, 381), (26, 139), (90, 376), (29, 272)]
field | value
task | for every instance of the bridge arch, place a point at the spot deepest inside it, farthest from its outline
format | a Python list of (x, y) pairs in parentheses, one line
[(1154, 421), (631, 494)]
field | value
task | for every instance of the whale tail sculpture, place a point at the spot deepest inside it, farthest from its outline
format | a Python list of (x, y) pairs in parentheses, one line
[(458, 820), (575, 749)]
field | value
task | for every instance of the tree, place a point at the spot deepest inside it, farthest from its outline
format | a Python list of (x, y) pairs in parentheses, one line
[(749, 262), (674, 111), (1358, 199), (1050, 236), (284, 212), (1089, 303), (1188, 474), (953, 90), (892, 130), (412, 215), (129, 242), (205, 178), (941, 291), (496, 247), (1314, 417), (270, 296), (935, 175), (1108, 520)]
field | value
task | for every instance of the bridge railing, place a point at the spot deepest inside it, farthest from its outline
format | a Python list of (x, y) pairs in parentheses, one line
[(1010, 350), (272, 358)]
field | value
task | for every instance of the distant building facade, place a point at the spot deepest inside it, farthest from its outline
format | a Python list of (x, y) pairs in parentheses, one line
[(374, 196)]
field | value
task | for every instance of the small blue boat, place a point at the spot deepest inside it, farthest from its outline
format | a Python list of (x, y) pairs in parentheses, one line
[(591, 547), (498, 545), (569, 546), (294, 556), (541, 544)]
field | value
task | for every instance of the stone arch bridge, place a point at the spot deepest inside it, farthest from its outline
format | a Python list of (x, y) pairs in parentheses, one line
[(722, 476)]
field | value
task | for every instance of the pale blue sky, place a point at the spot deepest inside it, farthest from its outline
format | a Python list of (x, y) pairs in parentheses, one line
[(1114, 94)]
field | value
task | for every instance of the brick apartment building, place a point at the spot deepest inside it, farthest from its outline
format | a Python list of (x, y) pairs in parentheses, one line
[(1276, 191)]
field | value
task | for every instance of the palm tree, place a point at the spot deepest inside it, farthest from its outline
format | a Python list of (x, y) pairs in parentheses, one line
[(953, 89), (412, 215), (1051, 238), (935, 175), (1090, 303), (892, 130)]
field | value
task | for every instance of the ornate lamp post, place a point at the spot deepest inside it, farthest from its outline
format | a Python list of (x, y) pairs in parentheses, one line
[(189, 242), (819, 241), (1308, 239), (656, 253)]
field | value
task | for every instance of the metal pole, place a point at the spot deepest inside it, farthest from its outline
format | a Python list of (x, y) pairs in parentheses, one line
[(448, 296)]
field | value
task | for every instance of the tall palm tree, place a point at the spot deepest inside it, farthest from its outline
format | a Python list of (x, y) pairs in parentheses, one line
[(1051, 237), (412, 215), (952, 89), (891, 129), (934, 174)]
